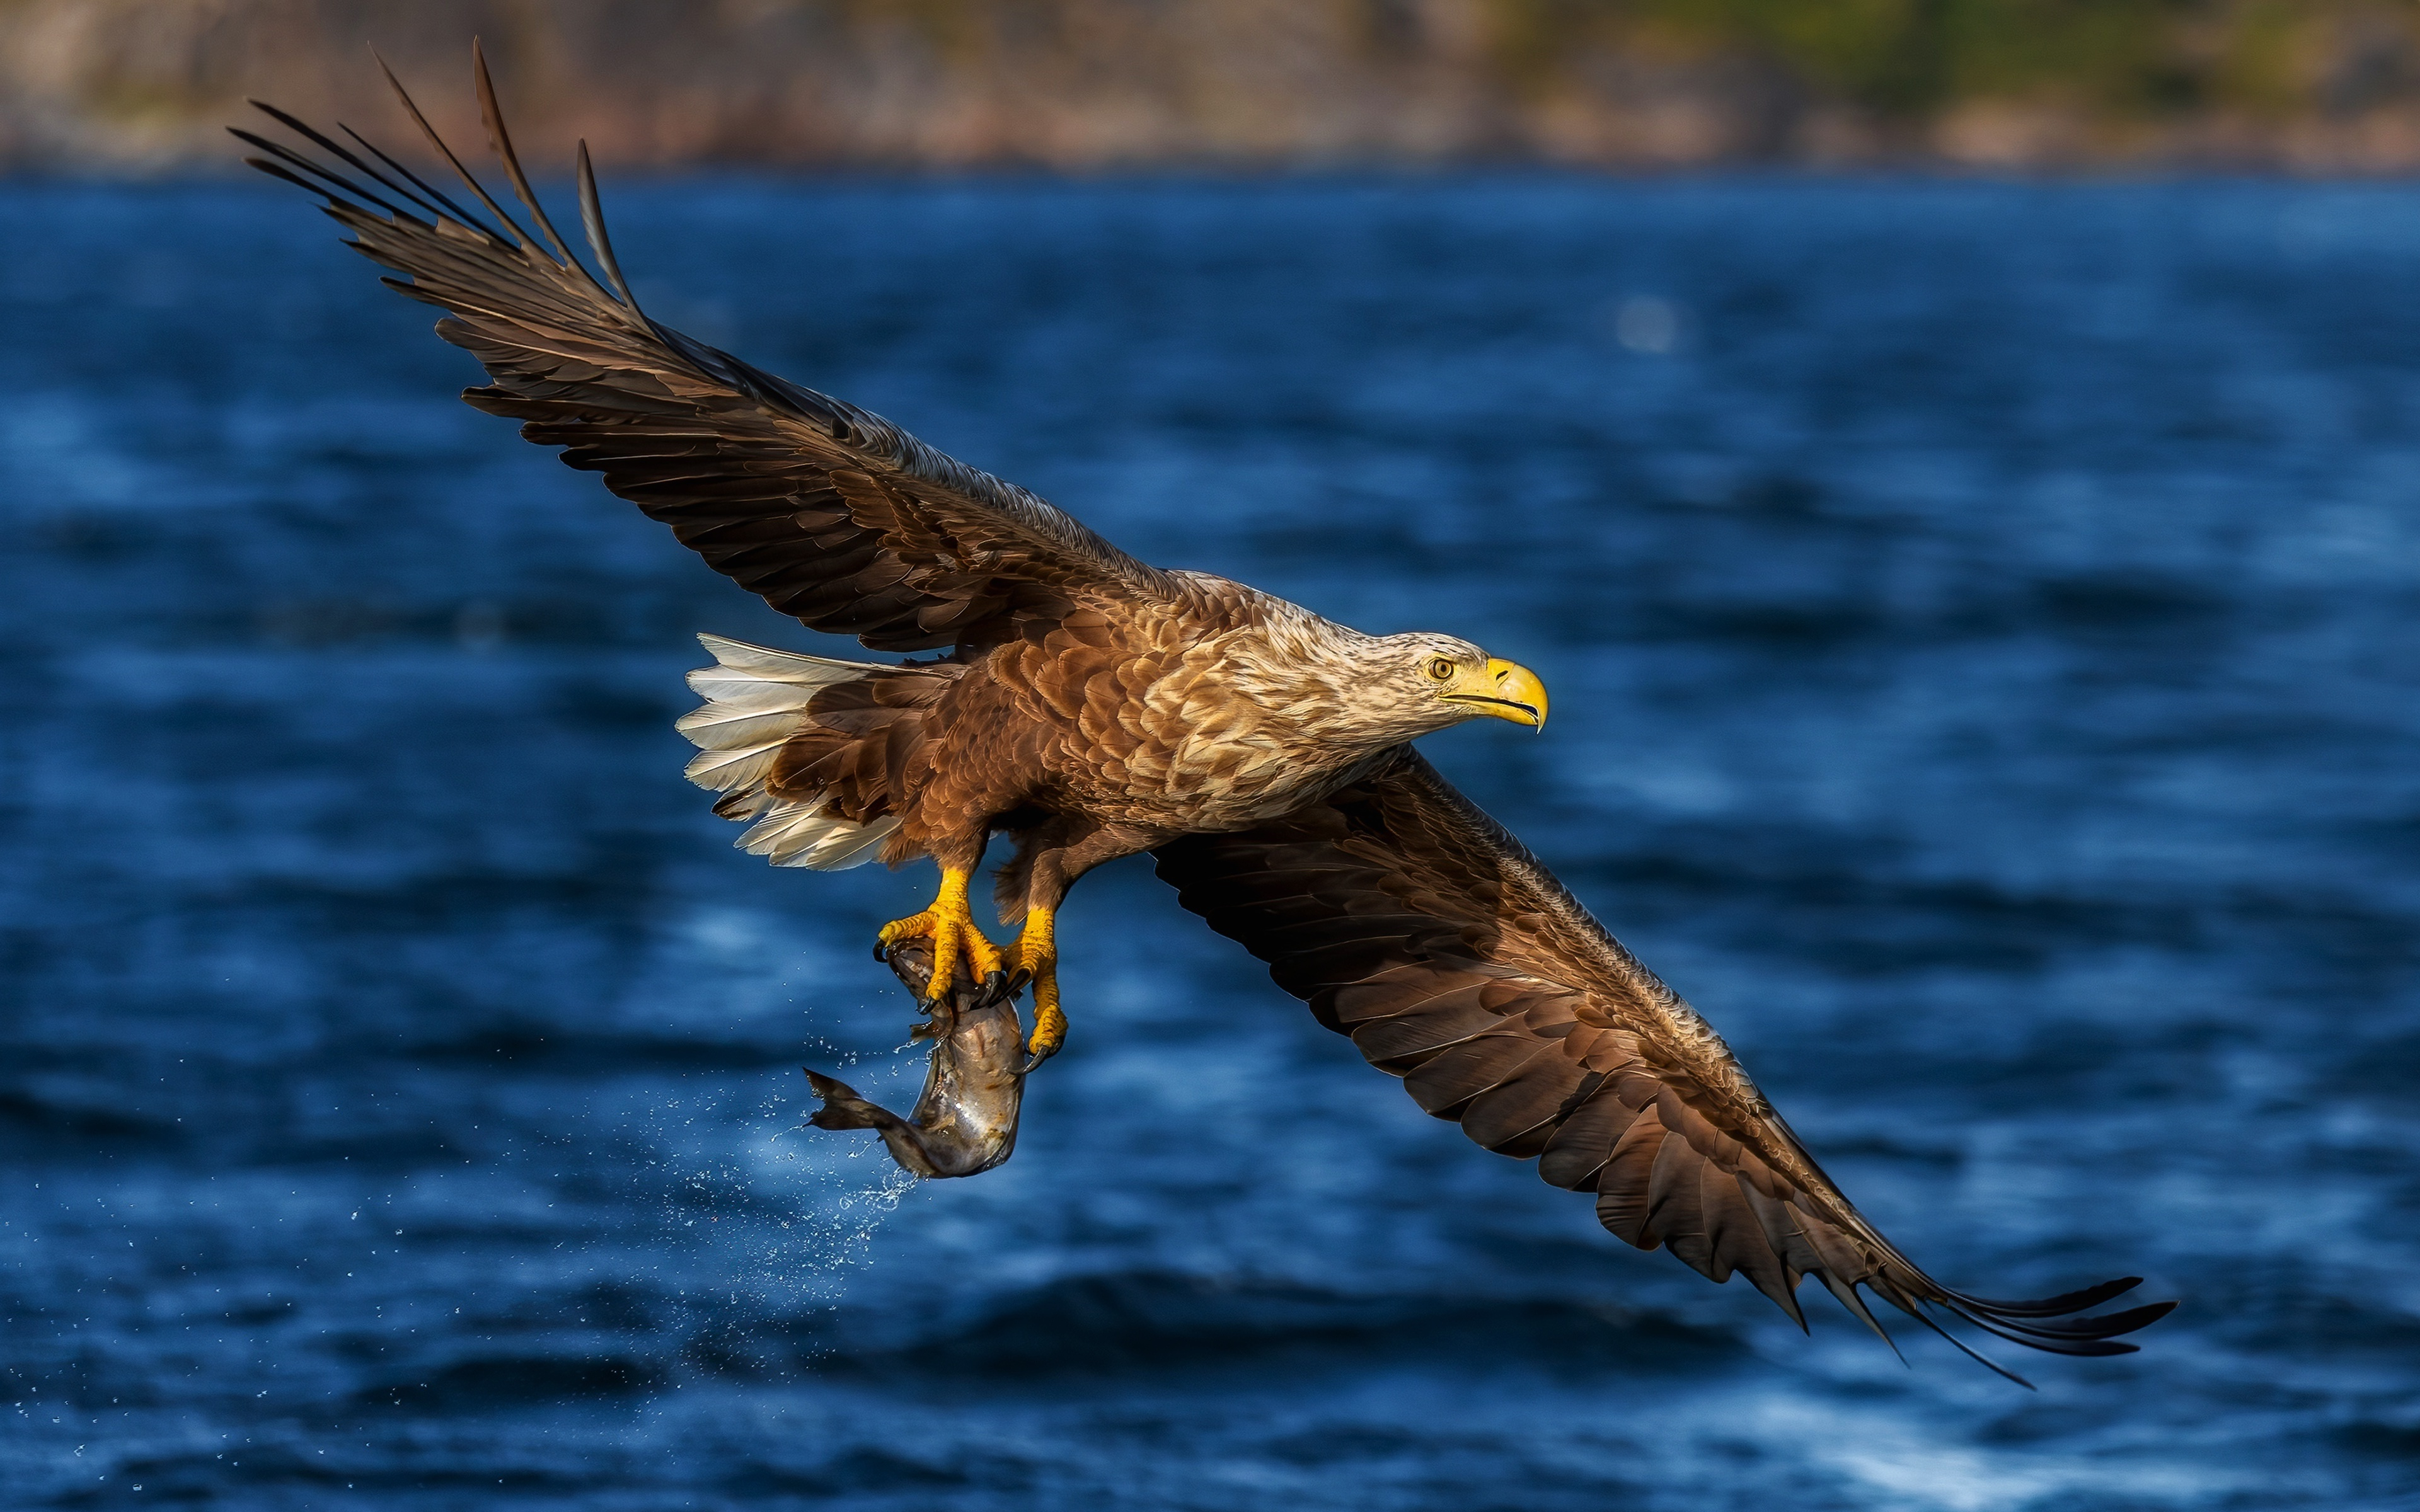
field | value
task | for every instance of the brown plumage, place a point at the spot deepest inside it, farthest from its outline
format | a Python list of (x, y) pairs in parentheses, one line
[(1090, 707)]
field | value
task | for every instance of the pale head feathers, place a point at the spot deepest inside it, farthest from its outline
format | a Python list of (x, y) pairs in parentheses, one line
[(1350, 693)]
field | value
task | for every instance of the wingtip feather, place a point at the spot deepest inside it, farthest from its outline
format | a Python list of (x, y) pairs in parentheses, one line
[(438, 143), (2072, 1302), (592, 221)]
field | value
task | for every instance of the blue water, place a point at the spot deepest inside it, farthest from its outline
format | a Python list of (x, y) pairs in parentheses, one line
[(1984, 623)]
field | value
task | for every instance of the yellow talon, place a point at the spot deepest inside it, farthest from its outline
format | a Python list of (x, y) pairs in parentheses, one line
[(1036, 958), (949, 925)]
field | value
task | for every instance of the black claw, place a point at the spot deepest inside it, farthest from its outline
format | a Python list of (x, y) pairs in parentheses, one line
[(882, 952), (1039, 1056), (995, 984)]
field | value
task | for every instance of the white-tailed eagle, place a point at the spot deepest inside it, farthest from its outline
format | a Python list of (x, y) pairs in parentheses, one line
[(1089, 706)]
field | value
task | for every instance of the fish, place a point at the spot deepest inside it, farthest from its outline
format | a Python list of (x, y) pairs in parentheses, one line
[(965, 1122)]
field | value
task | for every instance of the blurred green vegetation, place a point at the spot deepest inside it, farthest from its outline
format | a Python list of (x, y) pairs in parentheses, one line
[(1906, 58), (2327, 86), (2133, 60)]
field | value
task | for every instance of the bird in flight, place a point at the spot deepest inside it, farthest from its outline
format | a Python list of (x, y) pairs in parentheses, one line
[(1089, 706)]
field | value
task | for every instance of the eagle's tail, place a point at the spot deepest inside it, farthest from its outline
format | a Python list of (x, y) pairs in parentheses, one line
[(758, 739)]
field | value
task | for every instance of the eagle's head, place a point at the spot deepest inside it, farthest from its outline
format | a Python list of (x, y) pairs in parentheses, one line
[(1352, 691), (1437, 680), (1468, 682)]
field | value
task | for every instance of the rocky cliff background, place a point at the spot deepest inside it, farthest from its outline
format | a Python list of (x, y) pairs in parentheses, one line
[(2326, 85)]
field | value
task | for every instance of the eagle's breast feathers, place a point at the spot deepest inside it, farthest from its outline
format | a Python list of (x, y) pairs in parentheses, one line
[(1212, 714)]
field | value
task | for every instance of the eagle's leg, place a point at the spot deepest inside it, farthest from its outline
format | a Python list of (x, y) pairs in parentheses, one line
[(1048, 859), (950, 924), (1034, 958)]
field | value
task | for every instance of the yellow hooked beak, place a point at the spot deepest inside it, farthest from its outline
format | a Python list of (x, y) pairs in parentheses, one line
[(1501, 688)]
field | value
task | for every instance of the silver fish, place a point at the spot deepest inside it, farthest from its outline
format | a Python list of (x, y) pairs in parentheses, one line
[(965, 1123)]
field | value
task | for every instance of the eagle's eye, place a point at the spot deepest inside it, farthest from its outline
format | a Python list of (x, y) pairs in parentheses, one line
[(1441, 668)]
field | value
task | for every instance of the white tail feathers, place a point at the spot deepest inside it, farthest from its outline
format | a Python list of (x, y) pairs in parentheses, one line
[(800, 834), (755, 700)]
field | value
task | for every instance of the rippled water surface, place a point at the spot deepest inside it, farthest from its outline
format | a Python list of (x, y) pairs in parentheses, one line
[(1981, 625)]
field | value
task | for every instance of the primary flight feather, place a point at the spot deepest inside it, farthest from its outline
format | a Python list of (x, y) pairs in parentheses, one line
[(1089, 707)]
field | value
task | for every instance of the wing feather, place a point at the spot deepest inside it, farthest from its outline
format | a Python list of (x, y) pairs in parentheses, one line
[(833, 515), (1411, 921)]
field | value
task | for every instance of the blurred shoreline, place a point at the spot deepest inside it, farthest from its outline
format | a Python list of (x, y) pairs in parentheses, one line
[(2327, 86)]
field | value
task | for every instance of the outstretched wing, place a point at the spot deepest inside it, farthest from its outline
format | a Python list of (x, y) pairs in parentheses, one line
[(835, 516), (1411, 921)]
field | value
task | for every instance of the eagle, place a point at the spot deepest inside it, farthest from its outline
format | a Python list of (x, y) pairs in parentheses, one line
[(1088, 707)]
